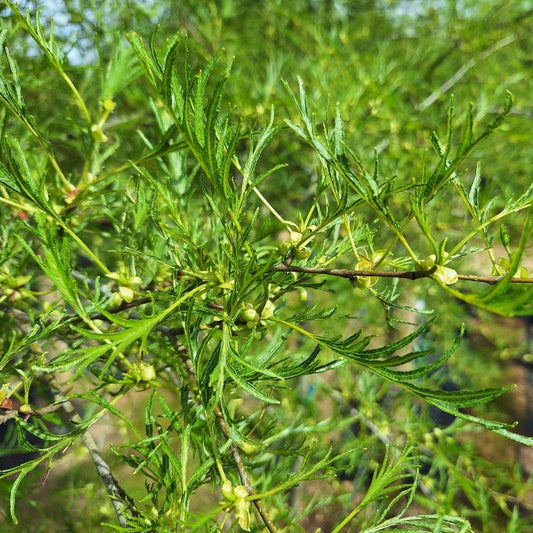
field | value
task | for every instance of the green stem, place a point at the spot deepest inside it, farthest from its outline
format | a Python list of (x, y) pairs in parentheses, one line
[(495, 218), (267, 204), (347, 519), (21, 207), (82, 245)]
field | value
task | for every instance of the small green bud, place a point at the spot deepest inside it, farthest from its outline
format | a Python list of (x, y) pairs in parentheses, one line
[(240, 491), (109, 105), (303, 294), (146, 371), (26, 409), (250, 449), (292, 245), (134, 281), (428, 263), (295, 238), (285, 247), (522, 272), (142, 374), (227, 490), (116, 299), (302, 252), (268, 310), (503, 265), (98, 135), (446, 276), (365, 282), (125, 293), (242, 507), (442, 274), (236, 496), (249, 314)]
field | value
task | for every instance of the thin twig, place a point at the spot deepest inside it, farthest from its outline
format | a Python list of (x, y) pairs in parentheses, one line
[(243, 474), (492, 280), (385, 439), (115, 492), (463, 70), (10, 413), (348, 273), (408, 274)]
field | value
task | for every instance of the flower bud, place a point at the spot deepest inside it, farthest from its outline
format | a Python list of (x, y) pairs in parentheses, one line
[(109, 105), (146, 371), (445, 275), (134, 281), (227, 490), (285, 247), (302, 252), (295, 238), (240, 491), (142, 374), (428, 263), (365, 282), (97, 134), (303, 294), (268, 310), (26, 409), (250, 449), (522, 272), (502, 266), (249, 314), (126, 293)]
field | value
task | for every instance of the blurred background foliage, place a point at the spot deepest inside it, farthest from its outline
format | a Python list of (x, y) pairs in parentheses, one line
[(392, 66), (380, 60)]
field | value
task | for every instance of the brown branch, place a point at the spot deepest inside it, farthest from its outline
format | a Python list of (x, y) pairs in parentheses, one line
[(9, 413), (492, 280), (115, 492), (119, 308), (350, 274), (407, 274), (243, 474)]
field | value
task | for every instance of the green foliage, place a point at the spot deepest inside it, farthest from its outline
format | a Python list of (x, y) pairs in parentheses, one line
[(155, 269)]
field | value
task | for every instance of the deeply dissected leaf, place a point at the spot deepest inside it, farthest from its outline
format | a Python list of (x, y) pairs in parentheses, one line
[(179, 231)]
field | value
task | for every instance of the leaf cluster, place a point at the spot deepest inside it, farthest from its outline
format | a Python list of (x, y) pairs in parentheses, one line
[(169, 273)]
